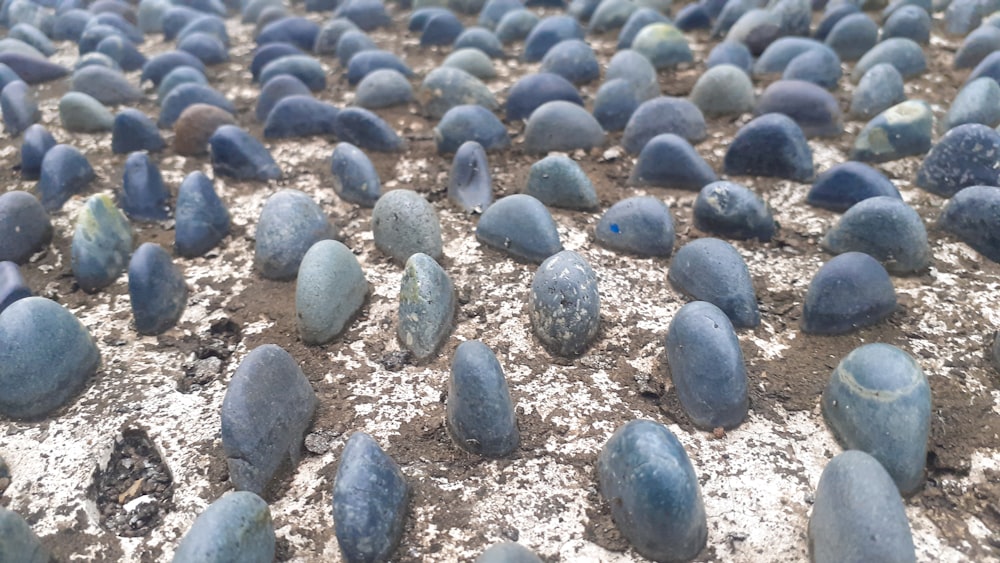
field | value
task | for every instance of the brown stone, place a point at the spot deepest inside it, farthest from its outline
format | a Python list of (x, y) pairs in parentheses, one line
[(195, 125)]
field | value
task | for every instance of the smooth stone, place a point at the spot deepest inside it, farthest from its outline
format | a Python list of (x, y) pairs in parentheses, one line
[(858, 514), (446, 87), (977, 46), (637, 225), (441, 28), (354, 176), (756, 29), (329, 291), (646, 477), (18, 542), (480, 414), (710, 269), (637, 70), (561, 126), (96, 59), (237, 154), (201, 218), (638, 19), (564, 306), (122, 51), (133, 130), (329, 35), (507, 552), (771, 145), (143, 196), (300, 116), (731, 210), (12, 288), (470, 123), (32, 69), (65, 172), (900, 131), (289, 224), (795, 16), (207, 48), (426, 306), (848, 183), (25, 227), (11, 45), (305, 68), (610, 15), (186, 95), (904, 54), (693, 17), (297, 31), (880, 88), (849, 292), (101, 244), (268, 406), (668, 161), (81, 113), (853, 36), (195, 127), (210, 25), (558, 181), (614, 104), (479, 38), (962, 16), (469, 184), (32, 36), (814, 109), (176, 77), (533, 90), (910, 22), (69, 25), (265, 54), (972, 216), (663, 115), (160, 65), (19, 107), (886, 229), (583, 10), (473, 61), (352, 42), (366, 62), (270, 15), (35, 143), (97, 31), (157, 290), (574, 60), (366, 130), (175, 18), (384, 88), (878, 401), (252, 9), (368, 520), (977, 102), (817, 66), (494, 10), (235, 527), (723, 90), (274, 90), (832, 16), (7, 75), (778, 54), (547, 33), (366, 14), (663, 44), (404, 223), (516, 26), (964, 156), (520, 226)]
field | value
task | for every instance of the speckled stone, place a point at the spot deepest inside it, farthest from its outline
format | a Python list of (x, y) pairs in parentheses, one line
[(101, 244), (446, 87), (329, 291), (886, 229), (849, 292), (710, 269), (564, 305), (520, 226), (965, 156), (973, 215), (25, 227), (900, 131), (404, 223), (426, 306), (237, 526), (289, 224), (880, 88)]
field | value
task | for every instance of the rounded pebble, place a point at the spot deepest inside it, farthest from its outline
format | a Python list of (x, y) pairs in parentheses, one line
[(236, 527), (404, 223), (201, 219), (564, 305), (712, 270), (426, 306), (289, 224), (520, 226), (558, 180), (731, 210), (849, 292), (886, 229), (329, 291), (157, 290), (25, 227), (638, 225)]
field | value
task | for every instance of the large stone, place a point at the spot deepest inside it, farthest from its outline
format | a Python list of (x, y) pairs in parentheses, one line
[(102, 243), (520, 226)]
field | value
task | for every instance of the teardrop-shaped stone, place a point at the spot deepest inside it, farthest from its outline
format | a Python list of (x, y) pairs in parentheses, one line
[(533, 90), (81, 113), (101, 244), (846, 184), (237, 154), (300, 116), (669, 161), (135, 131), (709, 269), (329, 291), (880, 88), (520, 226), (35, 143), (426, 306), (65, 173), (469, 184), (849, 292), (157, 290), (965, 156), (143, 196), (354, 176), (236, 527), (366, 130), (564, 306)]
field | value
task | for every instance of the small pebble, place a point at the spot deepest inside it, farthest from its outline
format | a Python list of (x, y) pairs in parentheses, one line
[(289, 224), (900, 131), (300, 116), (366, 130), (965, 156), (814, 109), (235, 527), (561, 126), (107, 86), (19, 542), (904, 54), (638, 225), (157, 290), (102, 243), (25, 227), (547, 33), (297, 31), (574, 60), (81, 113), (384, 88), (668, 161), (470, 123), (558, 181), (354, 176), (186, 95), (481, 39), (886, 229), (849, 292), (12, 288), (880, 88), (977, 102), (520, 226), (846, 184), (723, 89), (533, 90), (235, 153), (564, 305), (195, 127), (973, 215), (853, 36), (446, 87), (712, 270), (404, 223), (469, 184), (132, 131), (731, 210), (480, 415), (329, 291), (201, 218), (771, 145), (664, 45), (305, 68), (65, 172), (473, 61), (426, 306), (663, 115), (35, 143)]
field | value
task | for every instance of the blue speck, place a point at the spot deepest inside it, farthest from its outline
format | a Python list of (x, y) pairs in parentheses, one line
[(614, 228)]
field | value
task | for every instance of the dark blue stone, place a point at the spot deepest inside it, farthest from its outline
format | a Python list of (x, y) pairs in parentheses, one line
[(276, 89), (237, 527), (94, 33), (366, 130), (574, 60), (903, 130), (96, 59), (795, 15), (646, 476), (886, 229), (31, 69), (977, 46), (814, 109), (516, 25), (65, 172), (507, 552), (692, 17), (904, 54), (479, 38), (211, 25), (849, 292), (989, 66), (879, 89), (419, 18), (383, 88), (300, 116), (289, 224), (845, 184), (470, 123), (36, 142), (25, 227), (272, 14), (561, 126), (122, 51), (305, 68), (909, 22), (494, 10), (614, 104), (186, 95), (709, 269), (366, 14), (251, 9), (175, 18), (558, 181), (118, 7), (480, 414), (663, 115), (156, 288), (520, 226), (370, 496), (441, 28), (638, 225), (469, 184), (965, 156), (46, 360), (143, 196), (267, 53), (550, 31), (853, 36), (69, 25), (352, 42), (32, 36), (426, 306), (733, 53), (964, 15), (135, 131), (330, 289), (973, 215), (730, 210), (178, 76), (354, 176), (101, 244), (329, 35), (158, 66), (201, 218), (639, 19), (268, 406), (12, 285), (668, 161), (731, 12), (404, 223), (533, 90), (564, 305), (776, 57), (367, 62), (770, 145), (19, 107), (294, 30), (583, 10), (832, 16), (207, 48), (107, 86), (237, 154), (610, 15), (817, 66)]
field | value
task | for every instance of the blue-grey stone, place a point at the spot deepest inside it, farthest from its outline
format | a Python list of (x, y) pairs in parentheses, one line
[(210, 25), (175, 18), (582, 10), (977, 46), (663, 44), (270, 15), (757, 29), (902, 53), (305, 68), (12, 288), (663, 115), (533, 90), (178, 76), (329, 35), (910, 22), (886, 229), (64, 173), (32, 36), (469, 184), (574, 60), (796, 15), (723, 90), (101, 244), (135, 131), (731, 12), (367, 130), (122, 51), (770, 145), (558, 180), (903, 130), (352, 42), (732, 53), (480, 414), (207, 48), (18, 542), (19, 107), (709, 269), (964, 15), (201, 218), (366, 14), (473, 61), (11, 45), (814, 109), (81, 113), (354, 176), (692, 17), (69, 25), (494, 10), (426, 306), (186, 95), (96, 59), (235, 527), (34, 144), (646, 476), (158, 66), (366, 62), (143, 196), (630, 65), (637, 20), (269, 403), (329, 291), (252, 9), (668, 161), (853, 36), (237, 154), (446, 87), (638, 225), (157, 290), (298, 31), (370, 496), (383, 88), (614, 104), (25, 227), (516, 25), (300, 116), (564, 305), (776, 57), (520, 226), (878, 401), (7, 75), (479, 38), (610, 15), (818, 66), (561, 126), (470, 123), (989, 66), (276, 89), (849, 292), (205, 6), (507, 552), (977, 102), (404, 223), (846, 184), (31, 69), (880, 88), (731, 210), (289, 224), (94, 33), (973, 215), (547, 33), (832, 16), (267, 53), (441, 28)]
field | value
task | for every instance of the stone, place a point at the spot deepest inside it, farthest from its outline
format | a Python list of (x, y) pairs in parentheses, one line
[(446, 87), (849, 292), (7, 75), (638, 225), (12, 288), (469, 184), (441, 28), (878, 401), (300, 116), (383, 88), (780, 53), (886, 229), (201, 218), (235, 153), (143, 197), (367, 130), (354, 176), (858, 514), (195, 127), (366, 62), (176, 77), (366, 14), (507, 552), (473, 61), (731, 53), (176, 18), (977, 102), (610, 15), (69, 25), (853, 36), (846, 184), (818, 66), (160, 65), (329, 292), (368, 521), (904, 54), (479, 38), (122, 51), (47, 358), (731, 210), (638, 19), (723, 89), (558, 181), (520, 226), (614, 104), (19, 107), (96, 59), (564, 306), (771, 145), (814, 109), (516, 26), (305, 68), (352, 42), (289, 224), (668, 161), (32, 36), (157, 290), (404, 223), (637, 70), (494, 10), (237, 526), (561, 126), (757, 29), (646, 477), (25, 227), (132, 131), (663, 115), (18, 542), (962, 16), (710, 269), (330, 34), (880, 88), (533, 90), (964, 156), (547, 33), (420, 16), (977, 46), (102, 243), (297, 31), (65, 172), (186, 95), (276, 89), (692, 17), (663, 44), (268, 406), (32, 70), (426, 306), (35, 143), (211, 25), (265, 54), (470, 123), (910, 22), (574, 60), (81, 113), (480, 414), (900, 131), (206, 47), (971, 215)]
